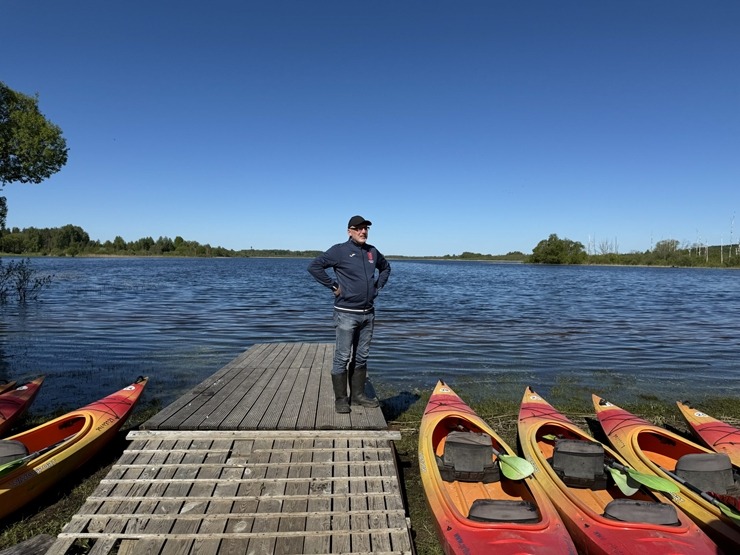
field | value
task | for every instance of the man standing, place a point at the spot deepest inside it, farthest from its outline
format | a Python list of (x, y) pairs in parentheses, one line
[(355, 287)]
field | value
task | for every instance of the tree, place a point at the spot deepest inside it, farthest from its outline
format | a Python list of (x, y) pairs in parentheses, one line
[(554, 250), (31, 147)]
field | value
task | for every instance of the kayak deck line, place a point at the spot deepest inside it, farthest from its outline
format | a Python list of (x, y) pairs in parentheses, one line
[(253, 459)]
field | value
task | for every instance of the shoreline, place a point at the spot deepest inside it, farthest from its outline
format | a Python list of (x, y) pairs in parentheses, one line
[(56, 508)]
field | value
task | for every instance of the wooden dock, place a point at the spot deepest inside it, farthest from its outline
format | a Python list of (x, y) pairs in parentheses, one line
[(253, 460)]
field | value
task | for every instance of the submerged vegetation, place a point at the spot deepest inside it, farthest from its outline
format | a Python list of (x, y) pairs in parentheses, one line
[(18, 279)]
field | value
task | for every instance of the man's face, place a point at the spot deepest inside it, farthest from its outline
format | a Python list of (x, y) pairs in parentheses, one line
[(358, 234)]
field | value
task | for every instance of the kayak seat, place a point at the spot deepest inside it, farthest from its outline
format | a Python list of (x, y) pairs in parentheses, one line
[(707, 471), (468, 457), (11, 450), (579, 463), (503, 510), (633, 510)]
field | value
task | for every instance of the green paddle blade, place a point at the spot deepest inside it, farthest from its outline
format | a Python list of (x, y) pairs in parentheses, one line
[(514, 468), (12, 465), (649, 480), (624, 482)]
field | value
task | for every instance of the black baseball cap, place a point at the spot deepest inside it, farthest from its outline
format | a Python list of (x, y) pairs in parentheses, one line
[(356, 221)]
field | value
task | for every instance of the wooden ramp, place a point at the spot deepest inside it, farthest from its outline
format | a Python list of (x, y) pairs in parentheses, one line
[(245, 488)]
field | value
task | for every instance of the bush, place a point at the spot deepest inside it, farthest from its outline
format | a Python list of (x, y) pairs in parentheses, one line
[(20, 279)]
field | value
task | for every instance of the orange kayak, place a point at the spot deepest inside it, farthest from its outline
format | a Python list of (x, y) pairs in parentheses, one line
[(651, 449), (15, 402), (60, 446), (600, 518), (715, 434), (476, 508)]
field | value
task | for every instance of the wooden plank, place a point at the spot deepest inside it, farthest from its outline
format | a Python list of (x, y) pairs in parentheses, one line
[(219, 508), (259, 434), (33, 546), (341, 543), (378, 517), (271, 395), (290, 384), (325, 413), (192, 467), (218, 410), (322, 499), (235, 405), (358, 505), (295, 509), (294, 405), (193, 399), (307, 417)]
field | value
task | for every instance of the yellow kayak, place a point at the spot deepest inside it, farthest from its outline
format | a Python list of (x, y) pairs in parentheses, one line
[(33, 461), (477, 508), (600, 517), (650, 448)]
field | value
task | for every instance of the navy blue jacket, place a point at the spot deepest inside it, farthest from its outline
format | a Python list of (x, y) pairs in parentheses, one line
[(354, 269)]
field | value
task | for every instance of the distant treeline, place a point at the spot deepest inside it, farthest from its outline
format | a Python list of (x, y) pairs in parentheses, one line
[(71, 240)]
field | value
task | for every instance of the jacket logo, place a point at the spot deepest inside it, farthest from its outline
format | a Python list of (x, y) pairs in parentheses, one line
[(369, 257), (351, 255)]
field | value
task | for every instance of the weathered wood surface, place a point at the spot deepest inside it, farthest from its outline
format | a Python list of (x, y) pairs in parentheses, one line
[(272, 386), (33, 546), (246, 492), (254, 460)]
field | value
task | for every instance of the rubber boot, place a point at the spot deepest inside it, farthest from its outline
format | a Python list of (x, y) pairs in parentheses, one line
[(341, 402), (357, 389)]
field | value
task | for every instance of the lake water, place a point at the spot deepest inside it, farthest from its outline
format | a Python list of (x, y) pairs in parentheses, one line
[(486, 328)]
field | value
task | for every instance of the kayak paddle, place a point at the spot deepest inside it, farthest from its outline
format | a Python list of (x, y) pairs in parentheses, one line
[(12, 465), (624, 481), (514, 468), (727, 511), (626, 478), (649, 480)]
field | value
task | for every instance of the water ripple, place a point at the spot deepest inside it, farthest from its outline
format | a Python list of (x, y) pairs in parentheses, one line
[(623, 331)]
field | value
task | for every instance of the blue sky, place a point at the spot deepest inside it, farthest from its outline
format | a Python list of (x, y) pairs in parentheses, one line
[(479, 126)]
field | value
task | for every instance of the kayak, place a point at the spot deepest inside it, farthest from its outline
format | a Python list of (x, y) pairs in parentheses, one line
[(650, 448), (6, 385), (33, 461), (601, 518), (476, 507), (15, 402), (715, 434)]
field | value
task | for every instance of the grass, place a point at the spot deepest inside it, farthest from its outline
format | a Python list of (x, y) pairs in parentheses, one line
[(52, 511)]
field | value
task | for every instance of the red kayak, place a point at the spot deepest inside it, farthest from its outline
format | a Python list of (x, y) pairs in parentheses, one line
[(5, 386), (715, 434), (38, 459), (482, 496), (601, 518), (15, 402)]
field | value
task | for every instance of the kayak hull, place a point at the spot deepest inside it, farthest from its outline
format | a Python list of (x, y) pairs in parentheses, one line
[(647, 448), (715, 434), (15, 402), (75, 436), (450, 501), (582, 509)]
